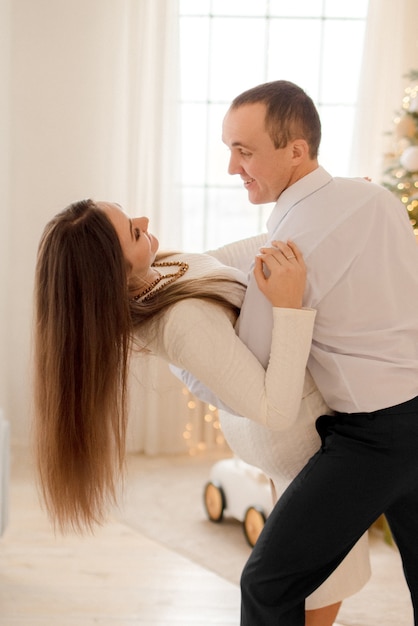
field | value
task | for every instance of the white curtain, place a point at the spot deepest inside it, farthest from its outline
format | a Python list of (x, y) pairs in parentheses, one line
[(163, 417), (5, 70), (151, 79), (89, 103), (390, 52)]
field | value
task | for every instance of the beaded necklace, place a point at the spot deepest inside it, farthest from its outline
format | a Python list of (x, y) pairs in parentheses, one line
[(150, 291)]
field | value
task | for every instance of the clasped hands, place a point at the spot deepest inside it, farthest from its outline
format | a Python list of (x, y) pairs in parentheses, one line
[(284, 282)]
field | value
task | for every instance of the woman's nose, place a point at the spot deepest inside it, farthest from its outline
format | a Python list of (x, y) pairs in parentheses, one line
[(142, 223)]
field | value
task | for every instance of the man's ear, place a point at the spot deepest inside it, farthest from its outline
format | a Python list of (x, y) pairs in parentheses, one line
[(300, 150)]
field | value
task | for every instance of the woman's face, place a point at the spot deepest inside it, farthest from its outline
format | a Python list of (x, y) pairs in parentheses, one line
[(138, 246)]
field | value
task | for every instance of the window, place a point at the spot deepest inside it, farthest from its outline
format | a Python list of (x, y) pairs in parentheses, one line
[(228, 46)]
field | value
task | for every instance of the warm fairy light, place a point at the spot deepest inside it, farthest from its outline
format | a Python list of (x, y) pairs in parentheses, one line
[(202, 429)]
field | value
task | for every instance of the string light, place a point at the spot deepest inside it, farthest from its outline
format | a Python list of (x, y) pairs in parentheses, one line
[(202, 429)]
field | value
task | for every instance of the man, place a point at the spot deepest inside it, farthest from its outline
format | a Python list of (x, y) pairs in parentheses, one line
[(362, 262)]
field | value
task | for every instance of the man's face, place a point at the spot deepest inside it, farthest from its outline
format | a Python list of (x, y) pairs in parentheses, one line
[(265, 170)]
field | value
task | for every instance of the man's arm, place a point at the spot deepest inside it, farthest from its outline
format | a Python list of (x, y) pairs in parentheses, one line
[(198, 389)]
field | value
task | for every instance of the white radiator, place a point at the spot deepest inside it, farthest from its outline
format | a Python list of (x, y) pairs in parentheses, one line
[(4, 472)]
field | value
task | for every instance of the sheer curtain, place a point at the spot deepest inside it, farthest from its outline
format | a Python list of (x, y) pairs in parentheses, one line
[(391, 51), (164, 417), (5, 41), (151, 86)]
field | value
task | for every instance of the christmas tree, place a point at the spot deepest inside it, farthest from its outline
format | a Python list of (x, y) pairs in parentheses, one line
[(401, 161)]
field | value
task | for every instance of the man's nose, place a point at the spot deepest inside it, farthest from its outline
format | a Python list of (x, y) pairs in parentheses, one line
[(234, 166)]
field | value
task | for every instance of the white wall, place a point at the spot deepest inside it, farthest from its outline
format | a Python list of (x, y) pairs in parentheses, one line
[(65, 67)]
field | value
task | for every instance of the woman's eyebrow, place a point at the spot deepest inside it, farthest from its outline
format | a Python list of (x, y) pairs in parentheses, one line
[(131, 229)]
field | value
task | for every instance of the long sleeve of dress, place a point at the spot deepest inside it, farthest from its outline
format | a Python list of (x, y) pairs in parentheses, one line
[(199, 337), (240, 255)]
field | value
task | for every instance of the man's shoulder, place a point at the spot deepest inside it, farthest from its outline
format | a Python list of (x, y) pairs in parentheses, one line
[(362, 186)]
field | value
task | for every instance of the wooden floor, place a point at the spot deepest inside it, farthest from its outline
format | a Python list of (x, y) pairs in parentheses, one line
[(115, 578), (118, 577)]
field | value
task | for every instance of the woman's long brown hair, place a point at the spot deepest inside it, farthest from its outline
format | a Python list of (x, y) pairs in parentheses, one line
[(84, 326)]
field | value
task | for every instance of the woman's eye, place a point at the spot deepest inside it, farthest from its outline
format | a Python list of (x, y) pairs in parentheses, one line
[(137, 233)]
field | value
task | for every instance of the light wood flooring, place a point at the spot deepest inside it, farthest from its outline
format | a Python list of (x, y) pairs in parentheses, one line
[(119, 577), (115, 578)]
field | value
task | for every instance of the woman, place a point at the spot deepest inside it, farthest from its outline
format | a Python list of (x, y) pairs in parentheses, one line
[(99, 293)]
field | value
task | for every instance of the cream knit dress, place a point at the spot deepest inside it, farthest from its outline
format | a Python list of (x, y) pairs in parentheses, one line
[(280, 404)]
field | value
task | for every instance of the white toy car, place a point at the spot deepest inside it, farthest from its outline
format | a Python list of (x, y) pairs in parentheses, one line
[(241, 491)]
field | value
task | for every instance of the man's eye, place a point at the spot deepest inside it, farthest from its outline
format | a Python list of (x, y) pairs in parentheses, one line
[(137, 233), (244, 153)]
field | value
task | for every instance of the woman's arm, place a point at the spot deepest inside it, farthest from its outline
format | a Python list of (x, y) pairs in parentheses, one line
[(199, 337), (208, 348)]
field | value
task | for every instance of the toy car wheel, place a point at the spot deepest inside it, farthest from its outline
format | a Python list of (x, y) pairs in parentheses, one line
[(214, 499), (254, 521)]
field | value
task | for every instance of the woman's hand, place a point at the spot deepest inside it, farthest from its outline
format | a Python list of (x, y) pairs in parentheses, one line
[(285, 285)]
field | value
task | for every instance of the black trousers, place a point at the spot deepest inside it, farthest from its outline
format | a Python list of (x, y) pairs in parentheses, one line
[(367, 465)]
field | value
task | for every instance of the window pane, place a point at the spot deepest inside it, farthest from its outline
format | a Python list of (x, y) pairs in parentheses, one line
[(302, 69), (239, 7), (193, 227), (218, 153), (194, 58), (337, 130), (346, 8), (338, 84), (300, 8), (230, 217), (194, 7), (193, 144), (238, 58)]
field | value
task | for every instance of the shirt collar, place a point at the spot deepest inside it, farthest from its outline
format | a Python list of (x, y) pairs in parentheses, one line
[(295, 193)]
